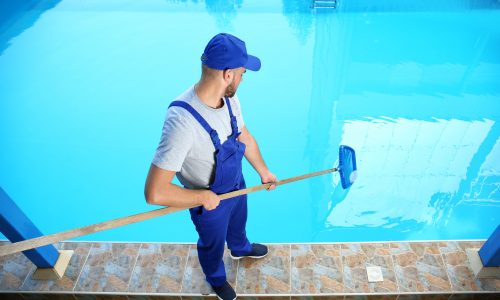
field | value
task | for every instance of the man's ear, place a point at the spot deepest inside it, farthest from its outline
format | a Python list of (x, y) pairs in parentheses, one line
[(228, 75)]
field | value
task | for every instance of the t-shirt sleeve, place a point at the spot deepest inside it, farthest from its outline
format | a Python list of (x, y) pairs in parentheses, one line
[(175, 143), (235, 105)]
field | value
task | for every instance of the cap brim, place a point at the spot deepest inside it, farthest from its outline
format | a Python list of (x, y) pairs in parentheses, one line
[(253, 63)]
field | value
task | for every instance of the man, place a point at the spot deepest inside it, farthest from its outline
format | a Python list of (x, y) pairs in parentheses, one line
[(203, 142)]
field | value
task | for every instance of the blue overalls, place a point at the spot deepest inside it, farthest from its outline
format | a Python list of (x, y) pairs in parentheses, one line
[(226, 222)]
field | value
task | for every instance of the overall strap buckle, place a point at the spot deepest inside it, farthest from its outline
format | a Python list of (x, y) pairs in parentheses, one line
[(215, 138), (234, 123)]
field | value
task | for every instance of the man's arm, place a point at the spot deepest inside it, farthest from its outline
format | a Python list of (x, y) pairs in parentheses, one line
[(253, 155), (160, 190)]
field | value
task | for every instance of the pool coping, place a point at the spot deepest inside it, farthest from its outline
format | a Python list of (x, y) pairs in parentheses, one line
[(359, 248)]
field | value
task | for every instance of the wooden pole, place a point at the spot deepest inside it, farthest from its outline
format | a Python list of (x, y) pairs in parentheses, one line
[(77, 232)]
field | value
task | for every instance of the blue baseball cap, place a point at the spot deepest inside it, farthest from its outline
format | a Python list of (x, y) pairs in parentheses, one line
[(225, 51)]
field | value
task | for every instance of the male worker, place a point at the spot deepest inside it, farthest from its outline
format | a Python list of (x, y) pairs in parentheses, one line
[(203, 142)]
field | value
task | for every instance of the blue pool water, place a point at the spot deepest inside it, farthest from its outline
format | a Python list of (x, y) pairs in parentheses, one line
[(413, 86)]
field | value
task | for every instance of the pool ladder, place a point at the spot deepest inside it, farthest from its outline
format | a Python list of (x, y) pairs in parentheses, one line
[(327, 4)]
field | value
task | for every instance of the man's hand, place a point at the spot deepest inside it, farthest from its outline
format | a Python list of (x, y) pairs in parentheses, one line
[(267, 177), (209, 199)]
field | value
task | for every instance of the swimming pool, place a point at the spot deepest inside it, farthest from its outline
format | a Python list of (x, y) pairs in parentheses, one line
[(84, 86)]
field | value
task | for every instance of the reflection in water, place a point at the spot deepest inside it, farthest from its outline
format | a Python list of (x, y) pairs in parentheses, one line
[(224, 12), (331, 58), (421, 5), (299, 16), (475, 186), (17, 16), (411, 161), (421, 118)]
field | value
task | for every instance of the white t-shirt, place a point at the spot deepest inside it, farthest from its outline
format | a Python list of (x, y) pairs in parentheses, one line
[(185, 146)]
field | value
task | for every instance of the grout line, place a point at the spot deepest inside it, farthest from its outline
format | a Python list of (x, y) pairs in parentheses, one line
[(394, 269), (467, 264), (83, 266), (30, 271), (133, 268), (185, 267), (290, 269), (341, 270), (236, 280), (452, 289), (441, 256)]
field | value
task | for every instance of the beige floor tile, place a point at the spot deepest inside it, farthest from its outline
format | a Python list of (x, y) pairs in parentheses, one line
[(459, 272), (68, 282), (316, 269), (355, 259), (159, 268), (268, 275), (108, 267), (194, 281), (14, 269), (419, 267)]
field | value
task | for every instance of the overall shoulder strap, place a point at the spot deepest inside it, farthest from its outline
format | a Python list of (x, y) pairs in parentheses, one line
[(234, 124), (213, 134)]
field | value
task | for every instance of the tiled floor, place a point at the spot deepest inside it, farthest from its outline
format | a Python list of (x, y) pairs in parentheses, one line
[(316, 269), (411, 270)]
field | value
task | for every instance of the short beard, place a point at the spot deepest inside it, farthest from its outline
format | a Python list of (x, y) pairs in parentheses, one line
[(230, 91)]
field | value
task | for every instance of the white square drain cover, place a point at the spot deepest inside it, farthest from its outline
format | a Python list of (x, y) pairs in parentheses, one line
[(374, 274)]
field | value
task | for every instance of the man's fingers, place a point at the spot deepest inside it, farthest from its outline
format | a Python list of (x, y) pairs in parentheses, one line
[(271, 187), (211, 206)]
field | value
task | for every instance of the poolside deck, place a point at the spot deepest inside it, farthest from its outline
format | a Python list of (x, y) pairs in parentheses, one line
[(411, 270)]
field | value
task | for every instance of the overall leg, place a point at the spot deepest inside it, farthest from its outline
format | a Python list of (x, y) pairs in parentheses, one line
[(236, 232), (212, 230)]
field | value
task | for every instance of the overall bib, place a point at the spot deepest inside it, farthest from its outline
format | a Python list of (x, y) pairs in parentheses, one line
[(227, 222)]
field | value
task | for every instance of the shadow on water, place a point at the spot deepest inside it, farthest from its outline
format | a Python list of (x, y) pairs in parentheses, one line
[(17, 16)]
